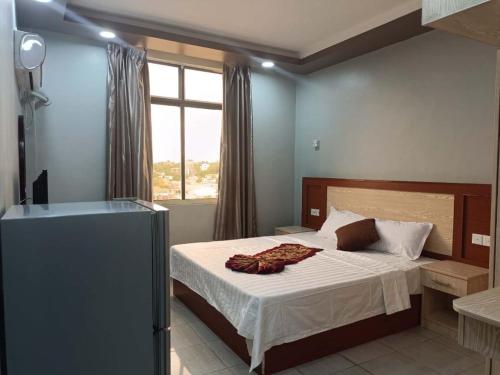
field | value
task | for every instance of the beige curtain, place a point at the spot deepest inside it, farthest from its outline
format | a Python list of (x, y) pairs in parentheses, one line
[(236, 213), (130, 154)]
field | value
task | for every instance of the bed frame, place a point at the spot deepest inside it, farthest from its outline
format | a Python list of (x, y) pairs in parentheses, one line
[(292, 354), (457, 210)]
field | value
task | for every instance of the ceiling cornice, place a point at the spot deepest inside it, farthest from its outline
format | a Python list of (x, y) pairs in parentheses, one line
[(201, 45), (392, 32), (181, 35)]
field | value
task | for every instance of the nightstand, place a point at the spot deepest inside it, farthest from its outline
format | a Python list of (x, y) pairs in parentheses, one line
[(290, 230), (443, 282)]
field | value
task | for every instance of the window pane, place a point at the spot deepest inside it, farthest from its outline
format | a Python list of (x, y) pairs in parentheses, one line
[(202, 137), (163, 80), (203, 86), (166, 124)]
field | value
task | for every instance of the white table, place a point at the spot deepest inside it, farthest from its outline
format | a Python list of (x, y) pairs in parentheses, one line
[(479, 322)]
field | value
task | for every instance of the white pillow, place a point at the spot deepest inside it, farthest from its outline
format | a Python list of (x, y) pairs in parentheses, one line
[(401, 237), (337, 219)]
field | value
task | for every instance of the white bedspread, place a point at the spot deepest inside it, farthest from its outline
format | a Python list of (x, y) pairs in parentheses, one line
[(329, 290)]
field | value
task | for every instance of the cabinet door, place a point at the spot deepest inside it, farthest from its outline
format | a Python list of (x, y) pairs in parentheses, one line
[(78, 294)]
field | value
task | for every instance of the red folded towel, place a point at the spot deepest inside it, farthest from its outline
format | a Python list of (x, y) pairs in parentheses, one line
[(271, 261)]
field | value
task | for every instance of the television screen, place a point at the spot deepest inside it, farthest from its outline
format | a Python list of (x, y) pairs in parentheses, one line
[(22, 159), (40, 189)]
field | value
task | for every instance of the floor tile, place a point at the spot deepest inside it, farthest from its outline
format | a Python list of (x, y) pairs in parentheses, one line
[(396, 364), (238, 370), (426, 332), (356, 370), (366, 352), (183, 312), (226, 355), (176, 318), (196, 350), (183, 335), (476, 370), (194, 360), (176, 303), (405, 338), (205, 333), (225, 371), (439, 357), (292, 371), (455, 346), (326, 365)]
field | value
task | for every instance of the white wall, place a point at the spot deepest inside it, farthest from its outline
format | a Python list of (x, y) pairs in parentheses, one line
[(71, 132), (418, 110), (191, 222), (274, 138), (71, 136), (9, 109)]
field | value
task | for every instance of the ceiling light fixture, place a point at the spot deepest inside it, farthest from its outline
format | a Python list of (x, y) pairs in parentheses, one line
[(43, 1), (106, 34), (267, 64)]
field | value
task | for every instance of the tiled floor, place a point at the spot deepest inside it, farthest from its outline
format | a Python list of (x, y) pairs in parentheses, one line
[(197, 351)]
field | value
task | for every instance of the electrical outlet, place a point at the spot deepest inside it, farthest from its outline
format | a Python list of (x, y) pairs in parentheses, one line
[(486, 240), (477, 239), (314, 211)]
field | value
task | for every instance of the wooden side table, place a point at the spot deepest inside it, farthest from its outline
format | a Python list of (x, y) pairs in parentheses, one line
[(442, 282), (290, 230)]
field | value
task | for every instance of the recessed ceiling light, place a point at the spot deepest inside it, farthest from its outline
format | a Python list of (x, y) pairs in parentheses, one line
[(267, 64), (106, 34), (43, 1)]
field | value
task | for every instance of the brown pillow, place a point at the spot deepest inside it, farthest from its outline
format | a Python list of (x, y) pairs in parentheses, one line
[(357, 235)]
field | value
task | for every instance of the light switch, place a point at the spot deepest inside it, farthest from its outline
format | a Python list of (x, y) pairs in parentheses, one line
[(316, 144), (486, 240), (314, 211), (477, 239)]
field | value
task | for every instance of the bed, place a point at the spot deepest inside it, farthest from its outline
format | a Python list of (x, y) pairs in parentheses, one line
[(333, 300)]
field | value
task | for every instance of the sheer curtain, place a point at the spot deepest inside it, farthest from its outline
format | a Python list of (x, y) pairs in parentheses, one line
[(130, 153), (236, 212)]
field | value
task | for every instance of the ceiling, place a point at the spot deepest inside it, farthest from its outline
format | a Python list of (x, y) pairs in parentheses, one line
[(297, 28), (300, 36)]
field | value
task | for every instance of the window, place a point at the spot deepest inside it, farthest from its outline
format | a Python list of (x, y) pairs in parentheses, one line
[(186, 116)]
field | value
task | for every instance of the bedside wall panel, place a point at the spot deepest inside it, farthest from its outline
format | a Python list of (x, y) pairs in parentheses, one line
[(456, 210)]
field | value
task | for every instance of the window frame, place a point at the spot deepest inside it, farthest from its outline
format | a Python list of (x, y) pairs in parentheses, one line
[(182, 103)]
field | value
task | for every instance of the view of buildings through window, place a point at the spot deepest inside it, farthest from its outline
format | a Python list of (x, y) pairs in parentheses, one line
[(186, 115)]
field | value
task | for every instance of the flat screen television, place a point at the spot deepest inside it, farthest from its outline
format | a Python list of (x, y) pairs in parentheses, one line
[(40, 185), (40, 189), (22, 159)]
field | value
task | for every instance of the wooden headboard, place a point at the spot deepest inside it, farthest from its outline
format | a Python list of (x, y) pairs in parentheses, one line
[(456, 210)]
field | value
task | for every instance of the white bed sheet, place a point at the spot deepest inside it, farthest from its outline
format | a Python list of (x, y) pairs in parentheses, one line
[(329, 290)]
